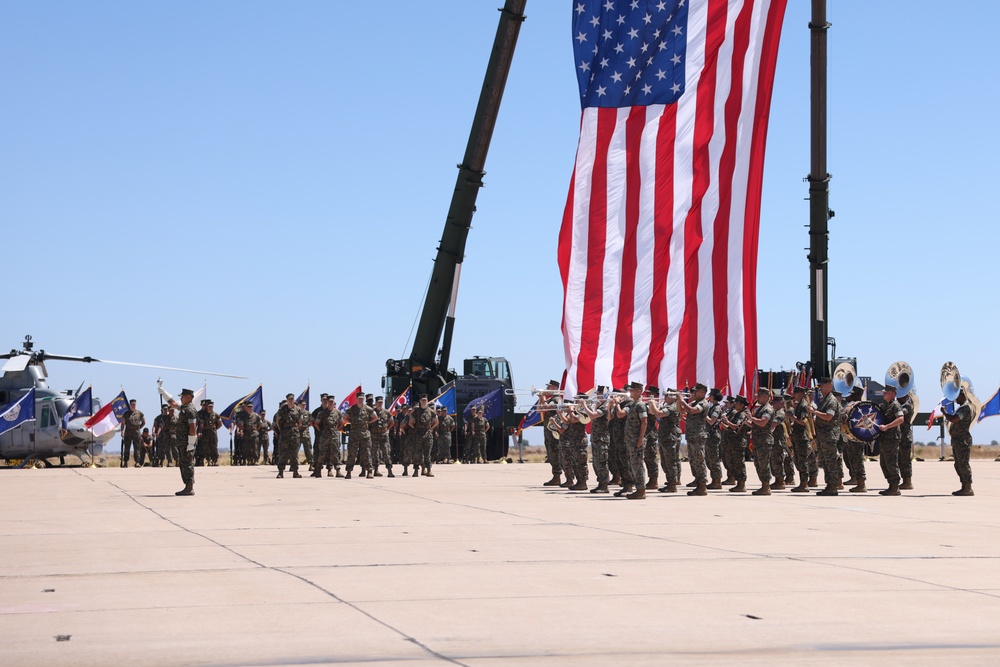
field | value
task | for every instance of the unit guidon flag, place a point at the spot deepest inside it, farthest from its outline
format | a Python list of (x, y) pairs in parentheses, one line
[(658, 245)]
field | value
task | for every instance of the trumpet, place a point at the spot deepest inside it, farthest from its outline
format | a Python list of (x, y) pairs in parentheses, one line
[(545, 393)]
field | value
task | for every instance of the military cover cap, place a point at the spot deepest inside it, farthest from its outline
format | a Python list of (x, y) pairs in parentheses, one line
[(553, 383), (289, 396), (798, 389), (582, 396), (187, 392), (824, 380), (763, 390), (421, 397), (635, 385), (359, 393), (700, 387), (741, 399), (653, 390), (132, 400), (779, 397), (717, 394), (324, 395), (889, 388)]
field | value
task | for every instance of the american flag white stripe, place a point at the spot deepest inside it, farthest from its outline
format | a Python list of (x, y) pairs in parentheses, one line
[(658, 246)]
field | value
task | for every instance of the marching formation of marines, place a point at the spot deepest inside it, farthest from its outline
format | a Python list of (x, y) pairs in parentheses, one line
[(784, 434)]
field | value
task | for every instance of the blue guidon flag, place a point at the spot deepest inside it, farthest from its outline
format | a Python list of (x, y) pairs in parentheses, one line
[(492, 404), (658, 245), (14, 414)]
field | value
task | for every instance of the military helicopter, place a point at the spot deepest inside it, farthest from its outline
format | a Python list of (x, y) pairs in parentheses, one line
[(46, 437)]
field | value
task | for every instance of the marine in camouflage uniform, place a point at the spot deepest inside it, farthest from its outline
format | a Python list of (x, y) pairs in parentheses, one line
[(548, 437), (734, 444), (635, 415), (713, 439), (359, 445), (652, 451), (600, 441), (853, 450), (779, 443), (398, 434), (802, 451), (959, 424), (573, 443), (827, 415), (247, 427), (131, 432), (209, 423), (446, 424), (424, 421), (163, 436), (480, 427), (670, 440), (906, 444), (697, 437), (618, 454), (186, 437), (262, 431), (381, 447), (892, 418), (286, 423), (760, 434), (327, 451), (305, 438)]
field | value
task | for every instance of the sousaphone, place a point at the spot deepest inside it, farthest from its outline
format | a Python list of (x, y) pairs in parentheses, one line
[(900, 375), (844, 378)]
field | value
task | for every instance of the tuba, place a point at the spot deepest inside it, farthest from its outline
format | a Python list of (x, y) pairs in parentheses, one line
[(900, 376), (844, 378), (954, 383)]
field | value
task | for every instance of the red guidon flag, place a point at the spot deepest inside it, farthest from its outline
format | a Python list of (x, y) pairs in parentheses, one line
[(658, 246)]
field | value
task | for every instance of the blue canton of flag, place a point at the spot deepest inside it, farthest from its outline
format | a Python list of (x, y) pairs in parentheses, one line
[(120, 405), (14, 414), (447, 399), (82, 406), (630, 53), (304, 396), (492, 405)]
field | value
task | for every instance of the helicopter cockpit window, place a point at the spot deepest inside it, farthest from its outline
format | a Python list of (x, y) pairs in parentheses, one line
[(47, 418)]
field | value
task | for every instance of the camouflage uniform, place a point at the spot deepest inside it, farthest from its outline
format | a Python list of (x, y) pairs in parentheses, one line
[(445, 426), (733, 445), (359, 445), (262, 431), (889, 442), (186, 415), (600, 440), (551, 444), (697, 436), (286, 421), (649, 454), (327, 451), (574, 443), (163, 450), (209, 423), (853, 450), (479, 427), (762, 441), (827, 436), (398, 436), (637, 414), (779, 445), (805, 455), (147, 448), (381, 447), (670, 443), (305, 421), (133, 420), (713, 442), (906, 440), (961, 442), (618, 451), (423, 437), (249, 425)]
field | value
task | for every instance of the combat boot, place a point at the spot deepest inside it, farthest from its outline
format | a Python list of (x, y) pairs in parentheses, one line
[(624, 491), (616, 480), (670, 487), (966, 490), (602, 487), (729, 481), (692, 484), (427, 472), (700, 489), (348, 476), (653, 482), (369, 475), (638, 494), (803, 487), (188, 490), (329, 472), (813, 480), (829, 490), (568, 483), (850, 482), (790, 478), (316, 474), (716, 483), (296, 475), (860, 487), (907, 484), (579, 486), (764, 490), (778, 484), (339, 474), (893, 490), (555, 481), (377, 473), (740, 487), (416, 471), (281, 474), (389, 473), (406, 472)]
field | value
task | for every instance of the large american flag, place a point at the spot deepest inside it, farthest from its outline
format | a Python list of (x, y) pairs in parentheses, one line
[(658, 246)]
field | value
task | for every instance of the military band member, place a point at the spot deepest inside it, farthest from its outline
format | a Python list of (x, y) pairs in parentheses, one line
[(549, 438), (906, 444), (423, 421), (286, 422), (574, 444), (734, 424), (959, 424), (359, 445), (760, 435), (133, 422), (696, 411), (265, 427), (620, 405), (892, 419), (652, 451), (713, 440), (854, 450), (669, 438), (380, 438), (827, 416), (635, 414), (600, 441), (779, 445), (802, 449)]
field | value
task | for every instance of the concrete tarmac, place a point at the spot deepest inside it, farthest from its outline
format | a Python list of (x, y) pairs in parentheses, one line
[(482, 565)]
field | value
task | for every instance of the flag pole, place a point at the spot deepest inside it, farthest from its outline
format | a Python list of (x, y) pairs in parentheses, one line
[(819, 193)]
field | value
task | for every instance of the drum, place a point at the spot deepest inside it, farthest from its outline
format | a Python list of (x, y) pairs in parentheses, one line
[(863, 420)]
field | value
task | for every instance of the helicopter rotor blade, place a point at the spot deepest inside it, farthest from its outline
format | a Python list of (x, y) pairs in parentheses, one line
[(165, 368)]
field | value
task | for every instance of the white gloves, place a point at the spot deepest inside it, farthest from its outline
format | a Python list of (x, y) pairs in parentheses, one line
[(192, 441), (165, 394)]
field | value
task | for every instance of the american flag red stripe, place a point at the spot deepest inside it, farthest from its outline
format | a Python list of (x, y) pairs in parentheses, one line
[(658, 247)]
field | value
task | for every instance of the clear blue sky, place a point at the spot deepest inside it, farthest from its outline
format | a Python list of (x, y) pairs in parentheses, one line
[(259, 188)]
